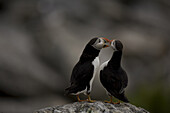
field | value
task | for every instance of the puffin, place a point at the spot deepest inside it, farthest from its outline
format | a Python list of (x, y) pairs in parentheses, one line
[(85, 70), (112, 76)]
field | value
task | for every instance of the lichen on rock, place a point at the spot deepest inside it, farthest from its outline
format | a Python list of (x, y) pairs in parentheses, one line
[(96, 107)]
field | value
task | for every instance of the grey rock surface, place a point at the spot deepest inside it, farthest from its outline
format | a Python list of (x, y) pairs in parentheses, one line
[(96, 107)]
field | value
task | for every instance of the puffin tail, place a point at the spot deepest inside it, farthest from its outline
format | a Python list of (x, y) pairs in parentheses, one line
[(71, 89), (67, 91), (123, 98)]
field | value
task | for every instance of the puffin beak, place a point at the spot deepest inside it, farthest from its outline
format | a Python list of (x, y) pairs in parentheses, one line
[(105, 46), (111, 41), (107, 43)]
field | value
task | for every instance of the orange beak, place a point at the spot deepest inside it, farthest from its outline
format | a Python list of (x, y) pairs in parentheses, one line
[(107, 41), (105, 46), (111, 41)]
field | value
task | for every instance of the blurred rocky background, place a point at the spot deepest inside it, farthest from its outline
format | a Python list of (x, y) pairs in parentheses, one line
[(41, 41)]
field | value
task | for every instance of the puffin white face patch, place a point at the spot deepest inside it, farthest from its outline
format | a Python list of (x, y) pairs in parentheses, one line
[(113, 45), (99, 44)]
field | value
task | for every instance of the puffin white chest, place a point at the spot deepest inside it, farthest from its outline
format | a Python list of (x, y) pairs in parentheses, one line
[(96, 64), (104, 65)]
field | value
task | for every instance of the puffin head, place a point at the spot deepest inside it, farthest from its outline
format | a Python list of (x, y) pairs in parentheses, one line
[(99, 43), (116, 45)]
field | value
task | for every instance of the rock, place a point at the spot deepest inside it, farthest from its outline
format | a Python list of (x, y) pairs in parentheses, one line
[(96, 107)]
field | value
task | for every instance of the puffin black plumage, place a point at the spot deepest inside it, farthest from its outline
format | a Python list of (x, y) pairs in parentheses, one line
[(84, 71), (112, 76)]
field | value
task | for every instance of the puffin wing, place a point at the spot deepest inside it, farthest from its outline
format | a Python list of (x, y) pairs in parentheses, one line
[(114, 84), (119, 80), (82, 73), (112, 81), (124, 80)]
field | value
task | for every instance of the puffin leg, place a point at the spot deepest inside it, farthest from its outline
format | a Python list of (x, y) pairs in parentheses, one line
[(110, 100), (78, 98), (117, 102), (89, 99)]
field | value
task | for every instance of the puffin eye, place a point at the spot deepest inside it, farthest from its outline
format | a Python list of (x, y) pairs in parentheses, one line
[(105, 41), (99, 40)]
